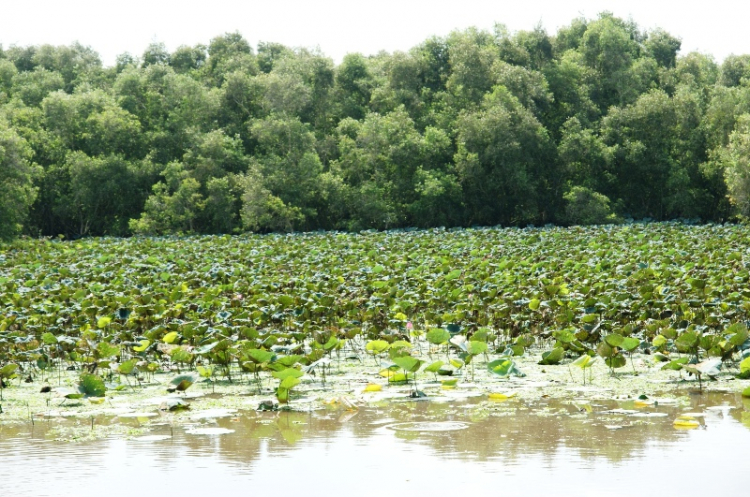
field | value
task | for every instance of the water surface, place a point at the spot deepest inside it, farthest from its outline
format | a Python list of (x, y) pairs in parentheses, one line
[(545, 447)]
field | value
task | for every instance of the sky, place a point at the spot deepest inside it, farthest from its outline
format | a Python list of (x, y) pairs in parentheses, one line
[(338, 27)]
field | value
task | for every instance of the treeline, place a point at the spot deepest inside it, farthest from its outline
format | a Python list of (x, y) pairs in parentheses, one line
[(599, 122)]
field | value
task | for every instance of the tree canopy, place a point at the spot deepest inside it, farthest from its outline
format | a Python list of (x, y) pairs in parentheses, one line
[(599, 122)]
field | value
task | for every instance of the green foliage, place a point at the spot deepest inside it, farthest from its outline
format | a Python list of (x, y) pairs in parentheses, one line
[(182, 382), (553, 356), (91, 385), (598, 122), (17, 190), (586, 207), (438, 336), (262, 303), (503, 367), (745, 368)]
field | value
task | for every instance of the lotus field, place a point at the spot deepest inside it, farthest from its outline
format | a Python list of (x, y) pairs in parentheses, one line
[(271, 309)]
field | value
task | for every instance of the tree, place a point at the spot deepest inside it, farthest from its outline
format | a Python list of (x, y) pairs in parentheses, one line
[(174, 205), (269, 54), (214, 155), (8, 71), (572, 85), (92, 122), (472, 55), (656, 155), (734, 69), (288, 166), (528, 86), (586, 159), (32, 86), (105, 193), (76, 63), (379, 160), (353, 86), (229, 53), (610, 46), (735, 161), (663, 47), (186, 59), (222, 204), (504, 163), (261, 210), (17, 191)]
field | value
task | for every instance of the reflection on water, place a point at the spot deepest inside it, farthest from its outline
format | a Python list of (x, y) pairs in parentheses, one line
[(541, 448)]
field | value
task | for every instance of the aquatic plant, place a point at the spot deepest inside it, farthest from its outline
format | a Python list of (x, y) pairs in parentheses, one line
[(248, 307)]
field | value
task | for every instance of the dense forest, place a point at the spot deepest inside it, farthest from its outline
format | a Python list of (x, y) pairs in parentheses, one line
[(599, 122)]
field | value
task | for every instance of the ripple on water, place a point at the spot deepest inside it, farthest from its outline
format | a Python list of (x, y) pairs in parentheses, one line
[(429, 426)]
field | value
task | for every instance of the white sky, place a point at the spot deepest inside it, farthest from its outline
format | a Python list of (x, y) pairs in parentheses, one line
[(338, 27)]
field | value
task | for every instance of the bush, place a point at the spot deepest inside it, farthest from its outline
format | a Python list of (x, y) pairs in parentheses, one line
[(585, 206)]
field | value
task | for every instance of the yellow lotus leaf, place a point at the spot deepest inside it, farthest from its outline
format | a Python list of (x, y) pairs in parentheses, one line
[(686, 422), (501, 396)]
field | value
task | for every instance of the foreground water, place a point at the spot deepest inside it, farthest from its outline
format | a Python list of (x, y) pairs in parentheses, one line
[(545, 447)]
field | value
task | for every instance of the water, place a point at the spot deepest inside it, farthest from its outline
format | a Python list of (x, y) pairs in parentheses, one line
[(550, 448)]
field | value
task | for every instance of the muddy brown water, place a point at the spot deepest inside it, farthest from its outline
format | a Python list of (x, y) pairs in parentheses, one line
[(544, 447)]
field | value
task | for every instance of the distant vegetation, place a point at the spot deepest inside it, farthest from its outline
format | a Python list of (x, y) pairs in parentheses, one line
[(596, 123)]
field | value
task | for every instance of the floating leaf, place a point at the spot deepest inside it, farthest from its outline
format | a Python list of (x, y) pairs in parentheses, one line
[(709, 367), (739, 334), (91, 385), (615, 362), (686, 422), (501, 395), (501, 367), (745, 368), (107, 350), (553, 356), (174, 404)]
